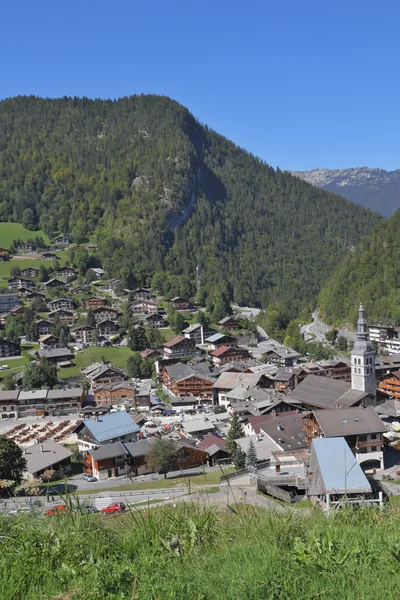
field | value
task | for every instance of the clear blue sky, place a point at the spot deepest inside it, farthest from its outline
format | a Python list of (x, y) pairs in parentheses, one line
[(302, 84)]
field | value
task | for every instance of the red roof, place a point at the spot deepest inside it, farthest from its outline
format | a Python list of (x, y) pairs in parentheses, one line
[(211, 440), (396, 374), (175, 341), (254, 421), (220, 350), (148, 352)]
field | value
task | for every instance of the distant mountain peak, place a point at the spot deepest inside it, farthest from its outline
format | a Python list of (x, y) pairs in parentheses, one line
[(371, 187)]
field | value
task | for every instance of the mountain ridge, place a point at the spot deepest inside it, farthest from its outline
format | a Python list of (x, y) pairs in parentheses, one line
[(373, 188)]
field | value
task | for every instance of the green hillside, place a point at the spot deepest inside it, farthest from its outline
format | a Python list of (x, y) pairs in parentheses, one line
[(371, 274), (14, 231), (161, 193), (193, 553)]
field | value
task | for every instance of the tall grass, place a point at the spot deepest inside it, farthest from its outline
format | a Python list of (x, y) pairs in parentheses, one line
[(192, 552)]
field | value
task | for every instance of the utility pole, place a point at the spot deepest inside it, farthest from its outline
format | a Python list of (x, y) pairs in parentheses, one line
[(197, 277)]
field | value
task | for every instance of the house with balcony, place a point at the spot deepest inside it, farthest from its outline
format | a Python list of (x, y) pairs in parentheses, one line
[(49, 342), (158, 321), (99, 373), (114, 393), (226, 354), (47, 455), (389, 385), (106, 429), (180, 303), (182, 380), (361, 428), (180, 347), (65, 303), (229, 323), (107, 328), (44, 326), (8, 302), (67, 317), (217, 340), (29, 272), (20, 282), (54, 283), (83, 334), (140, 307), (9, 348), (102, 313), (198, 333), (96, 302)]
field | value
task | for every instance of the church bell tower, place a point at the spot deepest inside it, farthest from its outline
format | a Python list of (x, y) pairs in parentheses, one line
[(363, 359)]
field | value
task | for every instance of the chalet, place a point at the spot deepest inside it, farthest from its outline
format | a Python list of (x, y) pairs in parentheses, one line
[(106, 462), (282, 356), (19, 282), (8, 302), (29, 272), (107, 328), (83, 334), (99, 373), (115, 393), (360, 427), (79, 289), (47, 455), (226, 354), (228, 380), (65, 316), (62, 240), (66, 272), (220, 339), (215, 448), (17, 310), (137, 456), (35, 296), (9, 348), (40, 402), (229, 323), (22, 291), (180, 347), (48, 256), (54, 283), (25, 246), (389, 411), (325, 393), (198, 333), (287, 434), (43, 326), (156, 320), (105, 312), (197, 428), (336, 369), (252, 423), (49, 342), (389, 385), (99, 273), (96, 302), (180, 303), (57, 355), (66, 303), (181, 380), (144, 307), (150, 353), (142, 294), (5, 252), (106, 429), (114, 284)]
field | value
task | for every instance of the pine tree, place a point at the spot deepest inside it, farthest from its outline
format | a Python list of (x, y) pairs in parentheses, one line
[(239, 459), (235, 432), (251, 456), (90, 318)]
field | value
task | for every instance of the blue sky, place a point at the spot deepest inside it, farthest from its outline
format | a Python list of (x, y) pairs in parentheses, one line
[(303, 84)]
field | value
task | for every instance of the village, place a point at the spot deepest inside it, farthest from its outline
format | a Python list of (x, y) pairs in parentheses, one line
[(225, 396)]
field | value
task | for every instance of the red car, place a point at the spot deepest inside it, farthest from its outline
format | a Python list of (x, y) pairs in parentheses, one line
[(116, 507), (55, 510)]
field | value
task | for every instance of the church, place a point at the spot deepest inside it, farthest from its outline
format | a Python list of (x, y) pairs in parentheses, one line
[(316, 392)]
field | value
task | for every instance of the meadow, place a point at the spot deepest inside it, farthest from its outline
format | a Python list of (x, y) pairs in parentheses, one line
[(190, 552), (117, 355), (13, 231)]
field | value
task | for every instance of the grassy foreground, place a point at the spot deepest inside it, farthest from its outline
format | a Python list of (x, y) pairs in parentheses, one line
[(194, 553)]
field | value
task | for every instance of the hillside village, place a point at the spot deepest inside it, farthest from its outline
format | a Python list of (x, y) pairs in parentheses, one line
[(179, 375)]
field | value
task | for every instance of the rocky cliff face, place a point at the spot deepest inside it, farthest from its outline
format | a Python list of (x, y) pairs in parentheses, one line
[(373, 188)]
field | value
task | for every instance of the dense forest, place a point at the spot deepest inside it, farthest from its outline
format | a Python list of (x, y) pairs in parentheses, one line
[(371, 274), (160, 194)]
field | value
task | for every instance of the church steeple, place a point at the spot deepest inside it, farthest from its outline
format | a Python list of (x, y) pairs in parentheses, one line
[(363, 358)]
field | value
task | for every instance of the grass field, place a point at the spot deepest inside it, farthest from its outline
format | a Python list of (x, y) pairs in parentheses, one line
[(12, 231), (5, 267), (195, 553), (116, 355)]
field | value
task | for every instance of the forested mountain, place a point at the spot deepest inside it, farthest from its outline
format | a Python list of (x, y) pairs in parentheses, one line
[(160, 194), (376, 189), (371, 274)]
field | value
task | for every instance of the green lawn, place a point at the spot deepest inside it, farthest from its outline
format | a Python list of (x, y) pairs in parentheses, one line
[(5, 267), (116, 355), (12, 231)]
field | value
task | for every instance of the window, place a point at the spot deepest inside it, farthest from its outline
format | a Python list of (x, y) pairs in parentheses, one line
[(373, 449), (373, 436)]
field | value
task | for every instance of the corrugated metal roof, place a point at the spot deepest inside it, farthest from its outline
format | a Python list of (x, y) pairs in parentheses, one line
[(339, 470), (111, 426)]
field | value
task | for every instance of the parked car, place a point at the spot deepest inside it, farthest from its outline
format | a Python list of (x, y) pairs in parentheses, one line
[(55, 510), (90, 509), (115, 507), (23, 509), (88, 477)]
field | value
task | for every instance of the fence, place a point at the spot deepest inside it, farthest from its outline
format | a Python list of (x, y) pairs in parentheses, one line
[(274, 491), (228, 476)]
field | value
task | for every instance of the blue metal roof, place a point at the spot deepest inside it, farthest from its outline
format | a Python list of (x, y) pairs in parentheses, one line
[(215, 337), (111, 426), (339, 469)]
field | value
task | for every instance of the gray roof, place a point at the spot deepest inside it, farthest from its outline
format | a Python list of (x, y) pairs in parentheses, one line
[(334, 469), (289, 435), (9, 395), (65, 393), (108, 451), (111, 426), (349, 421), (140, 447), (263, 445), (180, 371), (229, 380), (33, 395), (216, 337), (197, 425), (324, 392), (55, 353), (37, 460), (191, 328), (390, 408)]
